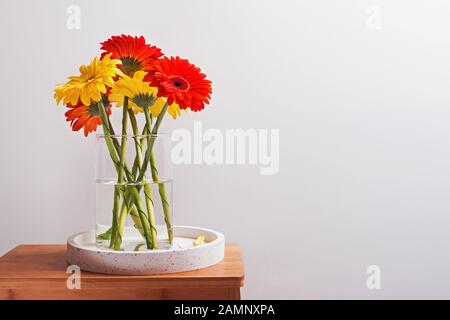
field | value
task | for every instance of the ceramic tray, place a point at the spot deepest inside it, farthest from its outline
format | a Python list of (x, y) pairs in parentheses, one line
[(183, 256)]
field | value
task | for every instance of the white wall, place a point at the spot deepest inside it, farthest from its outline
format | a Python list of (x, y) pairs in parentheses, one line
[(364, 127)]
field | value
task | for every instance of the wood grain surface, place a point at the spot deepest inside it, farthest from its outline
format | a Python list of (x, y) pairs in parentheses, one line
[(39, 272)]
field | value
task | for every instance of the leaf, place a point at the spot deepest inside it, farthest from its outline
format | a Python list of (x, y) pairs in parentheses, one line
[(138, 246), (105, 236)]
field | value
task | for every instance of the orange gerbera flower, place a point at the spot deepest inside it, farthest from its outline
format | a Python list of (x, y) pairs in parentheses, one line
[(181, 82), (87, 117), (134, 53)]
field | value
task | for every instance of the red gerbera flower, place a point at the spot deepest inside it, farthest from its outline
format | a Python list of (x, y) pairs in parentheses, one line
[(134, 53), (87, 117), (180, 81)]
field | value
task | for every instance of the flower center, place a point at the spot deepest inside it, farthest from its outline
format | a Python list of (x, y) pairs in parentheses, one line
[(180, 83), (93, 109), (130, 65), (144, 100)]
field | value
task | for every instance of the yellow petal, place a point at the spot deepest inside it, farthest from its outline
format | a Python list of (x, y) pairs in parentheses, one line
[(139, 75), (156, 107), (84, 97), (200, 240)]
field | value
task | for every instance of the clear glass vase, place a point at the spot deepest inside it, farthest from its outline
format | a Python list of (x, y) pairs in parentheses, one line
[(133, 192)]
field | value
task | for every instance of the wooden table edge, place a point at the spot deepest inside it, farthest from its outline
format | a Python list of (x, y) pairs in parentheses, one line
[(157, 281)]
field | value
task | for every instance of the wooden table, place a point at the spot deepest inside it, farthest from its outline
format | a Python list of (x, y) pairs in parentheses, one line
[(40, 272)]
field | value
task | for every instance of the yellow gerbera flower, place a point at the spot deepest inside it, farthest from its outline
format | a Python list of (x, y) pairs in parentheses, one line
[(140, 95), (91, 83)]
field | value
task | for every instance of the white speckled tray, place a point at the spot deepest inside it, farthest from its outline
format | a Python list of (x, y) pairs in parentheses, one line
[(183, 256)]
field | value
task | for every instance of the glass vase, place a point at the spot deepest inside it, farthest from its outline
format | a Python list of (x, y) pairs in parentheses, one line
[(133, 192)]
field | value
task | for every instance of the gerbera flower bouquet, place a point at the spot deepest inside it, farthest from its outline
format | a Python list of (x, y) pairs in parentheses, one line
[(134, 78)]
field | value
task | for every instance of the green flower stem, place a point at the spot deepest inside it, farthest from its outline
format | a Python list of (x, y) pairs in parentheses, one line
[(107, 136), (135, 193), (141, 141), (147, 188), (112, 152), (127, 208), (120, 226), (138, 217), (137, 143), (128, 173), (162, 195), (151, 139), (134, 214), (149, 231), (151, 214), (141, 225), (115, 218), (117, 235), (124, 139)]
